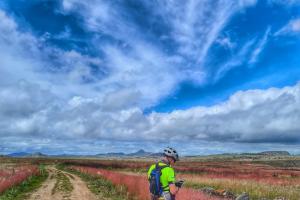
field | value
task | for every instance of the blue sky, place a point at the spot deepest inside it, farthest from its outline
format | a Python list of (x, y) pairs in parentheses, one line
[(123, 75)]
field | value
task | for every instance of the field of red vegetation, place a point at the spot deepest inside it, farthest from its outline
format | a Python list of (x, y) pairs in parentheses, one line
[(242, 171), (12, 176), (138, 185), (258, 180), (231, 169)]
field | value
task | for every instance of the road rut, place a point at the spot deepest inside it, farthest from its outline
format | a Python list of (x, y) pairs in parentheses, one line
[(49, 191)]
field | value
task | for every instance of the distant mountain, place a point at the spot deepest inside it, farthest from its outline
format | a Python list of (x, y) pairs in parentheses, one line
[(275, 153), (156, 154), (120, 154), (139, 153), (142, 153), (36, 154), (24, 154), (18, 154)]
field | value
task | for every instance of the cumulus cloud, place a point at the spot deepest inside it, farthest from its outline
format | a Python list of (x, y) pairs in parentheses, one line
[(26, 57), (248, 116)]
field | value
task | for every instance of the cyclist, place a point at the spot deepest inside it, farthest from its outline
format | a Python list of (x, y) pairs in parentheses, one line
[(168, 186)]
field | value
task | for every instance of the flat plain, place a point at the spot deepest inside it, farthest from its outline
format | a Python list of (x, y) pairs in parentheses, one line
[(209, 177)]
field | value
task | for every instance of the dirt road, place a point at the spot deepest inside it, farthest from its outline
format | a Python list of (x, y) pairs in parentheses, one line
[(61, 185)]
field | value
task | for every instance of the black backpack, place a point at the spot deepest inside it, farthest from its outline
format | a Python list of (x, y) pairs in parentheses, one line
[(155, 184)]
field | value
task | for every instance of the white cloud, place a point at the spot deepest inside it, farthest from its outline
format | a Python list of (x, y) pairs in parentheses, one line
[(194, 27), (137, 64), (292, 28), (260, 47), (270, 115), (52, 93), (248, 54), (251, 116), (197, 24), (236, 60), (26, 57), (226, 42), (295, 25)]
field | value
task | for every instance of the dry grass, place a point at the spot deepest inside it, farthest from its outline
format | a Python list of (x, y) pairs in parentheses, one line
[(257, 190), (270, 188), (137, 186)]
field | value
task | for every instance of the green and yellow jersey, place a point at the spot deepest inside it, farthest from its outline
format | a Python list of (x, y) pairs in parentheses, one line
[(167, 175)]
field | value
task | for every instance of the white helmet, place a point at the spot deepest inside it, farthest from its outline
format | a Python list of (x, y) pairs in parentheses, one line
[(170, 152)]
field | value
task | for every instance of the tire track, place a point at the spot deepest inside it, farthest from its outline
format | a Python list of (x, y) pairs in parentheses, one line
[(57, 187)]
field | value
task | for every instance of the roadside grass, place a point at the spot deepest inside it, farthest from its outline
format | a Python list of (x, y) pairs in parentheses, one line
[(22, 191), (138, 186), (71, 176), (63, 185), (100, 186), (256, 190)]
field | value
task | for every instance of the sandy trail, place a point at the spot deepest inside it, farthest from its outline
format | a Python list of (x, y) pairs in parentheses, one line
[(46, 192), (80, 190)]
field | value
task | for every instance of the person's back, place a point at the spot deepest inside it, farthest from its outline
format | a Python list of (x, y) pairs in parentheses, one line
[(166, 177)]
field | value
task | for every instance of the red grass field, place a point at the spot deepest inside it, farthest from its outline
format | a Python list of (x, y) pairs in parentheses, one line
[(138, 185), (259, 180), (231, 170), (15, 175)]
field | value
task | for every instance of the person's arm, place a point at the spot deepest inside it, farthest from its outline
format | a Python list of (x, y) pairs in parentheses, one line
[(173, 189), (171, 180), (150, 170)]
